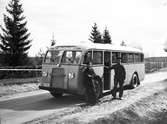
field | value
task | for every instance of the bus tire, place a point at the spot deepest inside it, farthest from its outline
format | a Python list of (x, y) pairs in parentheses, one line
[(56, 94), (98, 87), (94, 92), (134, 81)]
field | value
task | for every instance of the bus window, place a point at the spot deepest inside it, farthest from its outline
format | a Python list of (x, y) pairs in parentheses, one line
[(124, 57), (71, 57), (136, 57), (87, 57), (115, 56), (141, 57), (130, 58), (53, 57), (97, 57)]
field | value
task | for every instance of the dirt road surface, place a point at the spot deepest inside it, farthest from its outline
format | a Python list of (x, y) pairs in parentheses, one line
[(41, 107)]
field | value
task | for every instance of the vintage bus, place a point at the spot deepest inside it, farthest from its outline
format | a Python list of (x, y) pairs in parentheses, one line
[(63, 64)]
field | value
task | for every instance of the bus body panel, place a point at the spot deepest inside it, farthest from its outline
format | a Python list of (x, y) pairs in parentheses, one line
[(47, 72), (141, 72), (131, 69)]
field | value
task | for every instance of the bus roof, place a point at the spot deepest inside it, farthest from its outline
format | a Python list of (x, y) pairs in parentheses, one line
[(87, 46)]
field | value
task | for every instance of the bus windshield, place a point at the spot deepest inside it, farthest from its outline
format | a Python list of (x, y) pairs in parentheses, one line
[(71, 57), (53, 57)]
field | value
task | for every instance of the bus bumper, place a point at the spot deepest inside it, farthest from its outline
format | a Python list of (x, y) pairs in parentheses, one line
[(51, 89)]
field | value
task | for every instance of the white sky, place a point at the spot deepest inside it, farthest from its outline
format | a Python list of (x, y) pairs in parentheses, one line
[(137, 22)]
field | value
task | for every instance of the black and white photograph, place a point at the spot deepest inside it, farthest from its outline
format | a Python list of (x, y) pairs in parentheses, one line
[(83, 61)]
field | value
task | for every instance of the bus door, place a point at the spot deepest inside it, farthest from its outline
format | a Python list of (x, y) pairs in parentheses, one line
[(98, 63), (107, 72)]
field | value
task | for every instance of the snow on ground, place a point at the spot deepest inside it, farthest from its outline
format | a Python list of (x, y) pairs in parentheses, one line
[(104, 110), (140, 105), (13, 86)]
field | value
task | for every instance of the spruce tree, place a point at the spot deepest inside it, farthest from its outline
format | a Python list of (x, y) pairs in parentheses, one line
[(95, 36), (14, 38), (106, 37)]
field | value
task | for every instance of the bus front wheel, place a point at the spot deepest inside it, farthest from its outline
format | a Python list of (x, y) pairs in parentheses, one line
[(94, 91), (56, 94), (134, 81), (98, 87)]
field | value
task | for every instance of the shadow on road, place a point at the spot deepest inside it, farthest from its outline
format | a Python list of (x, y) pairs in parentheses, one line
[(40, 102), (44, 102)]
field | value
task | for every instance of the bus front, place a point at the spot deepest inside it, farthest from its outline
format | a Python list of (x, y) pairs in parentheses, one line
[(60, 70)]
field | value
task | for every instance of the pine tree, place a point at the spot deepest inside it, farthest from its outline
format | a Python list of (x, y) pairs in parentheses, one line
[(106, 37), (95, 36), (15, 43)]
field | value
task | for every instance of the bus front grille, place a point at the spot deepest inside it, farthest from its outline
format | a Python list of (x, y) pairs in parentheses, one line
[(57, 77)]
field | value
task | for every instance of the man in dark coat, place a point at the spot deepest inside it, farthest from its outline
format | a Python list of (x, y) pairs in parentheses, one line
[(119, 78), (89, 75)]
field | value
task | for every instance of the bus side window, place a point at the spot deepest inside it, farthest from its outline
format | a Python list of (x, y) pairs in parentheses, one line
[(115, 56), (136, 57), (97, 57), (130, 58), (77, 57), (124, 57), (141, 57), (87, 57)]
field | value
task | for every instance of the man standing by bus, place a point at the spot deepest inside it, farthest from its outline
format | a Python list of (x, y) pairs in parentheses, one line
[(119, 78), (89, 73)]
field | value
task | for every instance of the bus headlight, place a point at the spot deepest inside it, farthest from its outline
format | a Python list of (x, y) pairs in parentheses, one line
[(71, 75), (44, 74)]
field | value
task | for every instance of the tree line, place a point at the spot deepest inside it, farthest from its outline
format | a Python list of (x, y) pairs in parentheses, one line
[(14, 36), (97, 37)]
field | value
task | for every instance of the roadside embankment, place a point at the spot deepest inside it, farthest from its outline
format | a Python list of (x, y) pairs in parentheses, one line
[(150, 110), (147, 104)]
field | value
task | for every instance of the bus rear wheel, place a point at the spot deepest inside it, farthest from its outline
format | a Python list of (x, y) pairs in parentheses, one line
[(56, 94), (134, 81)]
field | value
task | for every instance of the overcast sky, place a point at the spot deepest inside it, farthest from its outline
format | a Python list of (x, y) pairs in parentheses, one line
[(137, 22)]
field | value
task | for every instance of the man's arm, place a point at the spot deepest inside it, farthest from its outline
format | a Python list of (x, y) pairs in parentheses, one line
[(110, 67)]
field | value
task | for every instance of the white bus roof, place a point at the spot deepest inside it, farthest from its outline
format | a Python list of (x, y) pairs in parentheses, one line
[(87, 46)]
